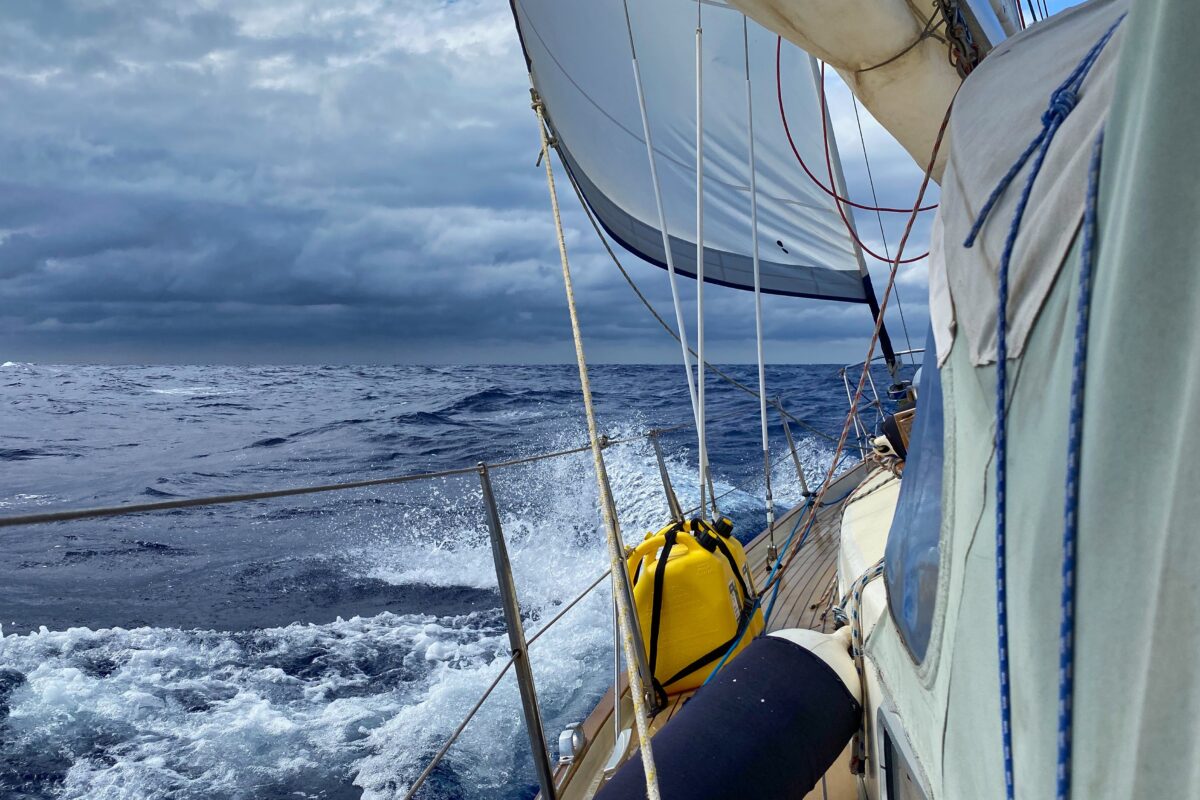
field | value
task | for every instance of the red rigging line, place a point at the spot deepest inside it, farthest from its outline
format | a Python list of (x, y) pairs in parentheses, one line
[(787, 130), (862, 378), (838, 200)]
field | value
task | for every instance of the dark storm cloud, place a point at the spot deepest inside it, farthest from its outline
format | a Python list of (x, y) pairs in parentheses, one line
[(298, 180)]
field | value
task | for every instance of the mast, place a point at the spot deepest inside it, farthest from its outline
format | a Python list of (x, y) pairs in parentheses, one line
[(839, 186)]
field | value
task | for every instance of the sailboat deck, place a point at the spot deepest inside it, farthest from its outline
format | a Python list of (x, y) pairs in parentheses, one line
[(805, 586), (805, 593)]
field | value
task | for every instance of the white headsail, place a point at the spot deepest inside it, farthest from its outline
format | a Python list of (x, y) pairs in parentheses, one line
[(579, 56)]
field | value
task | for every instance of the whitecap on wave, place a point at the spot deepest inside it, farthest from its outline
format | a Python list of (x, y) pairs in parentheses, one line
[(154, 712), (356, 707), (189, 391)]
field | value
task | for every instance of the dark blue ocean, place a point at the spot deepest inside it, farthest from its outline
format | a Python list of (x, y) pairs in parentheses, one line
[(324, 646)]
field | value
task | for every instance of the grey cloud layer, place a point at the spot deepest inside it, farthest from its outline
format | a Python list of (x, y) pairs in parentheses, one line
[(296, 180)]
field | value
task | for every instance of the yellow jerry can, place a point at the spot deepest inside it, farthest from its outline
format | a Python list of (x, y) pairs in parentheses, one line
[(694, 598)]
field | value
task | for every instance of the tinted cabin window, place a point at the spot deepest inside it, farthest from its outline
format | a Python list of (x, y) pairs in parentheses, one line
[(913, 554), (900, 779)]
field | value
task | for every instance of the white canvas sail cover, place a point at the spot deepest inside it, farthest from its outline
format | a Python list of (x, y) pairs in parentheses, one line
[(580, 59), (1136, 697)]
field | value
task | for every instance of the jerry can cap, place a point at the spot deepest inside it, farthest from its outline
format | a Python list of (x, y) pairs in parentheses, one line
[(700, 532), (723, 526)]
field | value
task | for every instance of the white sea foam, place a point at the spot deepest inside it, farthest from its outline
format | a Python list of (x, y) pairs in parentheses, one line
[(19, 366), (27, 499), (189, 391), (205, 714), (306, 709)]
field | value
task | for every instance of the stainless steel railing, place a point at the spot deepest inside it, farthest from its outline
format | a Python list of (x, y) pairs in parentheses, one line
[(871, 401)]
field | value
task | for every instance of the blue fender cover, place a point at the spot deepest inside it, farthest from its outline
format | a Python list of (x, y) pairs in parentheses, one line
[(768, 726)]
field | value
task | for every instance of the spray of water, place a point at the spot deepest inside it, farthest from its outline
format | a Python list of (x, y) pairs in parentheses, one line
[(315, 710)]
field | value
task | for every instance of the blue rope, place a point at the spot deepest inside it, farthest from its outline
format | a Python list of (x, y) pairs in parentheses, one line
[(812, 521), (771, 574), (1066, 632), (732, 647), (1062, 102), (786, 545), (774, 594), (804, 538)]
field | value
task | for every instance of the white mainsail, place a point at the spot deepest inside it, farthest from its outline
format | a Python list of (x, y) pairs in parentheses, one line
[(579, 57)]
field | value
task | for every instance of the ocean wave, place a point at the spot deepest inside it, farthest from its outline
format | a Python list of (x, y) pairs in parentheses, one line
[(192, 391), (18, 366), (331, 706), (29, 453), (155, 712), (495, 398)]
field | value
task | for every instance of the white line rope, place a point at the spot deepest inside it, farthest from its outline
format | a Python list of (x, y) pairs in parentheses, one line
[(701, 433), (725, 376), (838, 177), (615, 549), (662, 218), (879, 218), (758, 323)]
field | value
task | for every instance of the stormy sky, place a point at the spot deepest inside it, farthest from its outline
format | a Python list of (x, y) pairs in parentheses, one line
[(280, 181)]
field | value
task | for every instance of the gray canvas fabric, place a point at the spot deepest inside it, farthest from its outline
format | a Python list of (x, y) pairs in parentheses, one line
[(1137, 695), (995, 116), (950, 704), (1139, 583)]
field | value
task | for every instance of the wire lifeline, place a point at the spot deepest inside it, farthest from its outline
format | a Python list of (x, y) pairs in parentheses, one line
[(735, 488), (682, 336), (243, 497), (666, 327), (758, 317), (508, 663), (700, 375), (615, 547), (1062, 102), (879, 218), (462, 726)]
